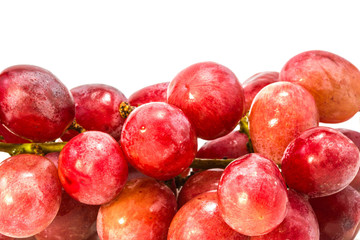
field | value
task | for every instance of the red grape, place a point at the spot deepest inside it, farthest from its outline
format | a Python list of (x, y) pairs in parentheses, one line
[(97, 108), (74, 221), (355, 137), (9, 137), (279, 113), (331, 79), (30, 195), (210, 96), (252, 195), (153, 93), (300, 222), (34, 104), (159, 140), (92, 168), (199, 183), (338, 214), (200, 219), (143, 210), (232, 145), (255, 83), (320, 162)]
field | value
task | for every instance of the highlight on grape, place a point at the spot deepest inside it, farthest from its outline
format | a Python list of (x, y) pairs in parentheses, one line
[(90, 163)]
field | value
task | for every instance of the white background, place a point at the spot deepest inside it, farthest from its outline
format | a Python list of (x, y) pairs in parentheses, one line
[(132, 44)]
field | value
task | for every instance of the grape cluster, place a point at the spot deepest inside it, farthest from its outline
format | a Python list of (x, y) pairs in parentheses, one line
[(85, 165)]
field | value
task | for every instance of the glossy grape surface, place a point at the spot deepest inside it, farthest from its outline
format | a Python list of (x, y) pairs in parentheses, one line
[(320, 162), (255, 83), (34, 104), (279, 113), (74, 221), (232, 145), (159, 140), (97, 108), (152, 93), (30, 195), (338, 214), (252, 195), (300, 222), (92, 168), (331, 79), (200, 219), (199, 183), (355, 137), (210, 96), (143, 210)]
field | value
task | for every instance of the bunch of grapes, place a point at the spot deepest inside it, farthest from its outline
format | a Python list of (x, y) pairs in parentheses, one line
[(90, 163)]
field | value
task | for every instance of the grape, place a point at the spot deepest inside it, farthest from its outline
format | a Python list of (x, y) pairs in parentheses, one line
[(92, 168), (331, 79), (97, 108), (320, 162), (30, 195), (143, 210), (74, 221), (159, 140), (200, 219), (34, 104), (232, 145), (355, 137), (252, 195), (255, 83), (300, 222), (338, 214), (279, 113), (9, 137), (210, 96), (153, 93), (199, 183)]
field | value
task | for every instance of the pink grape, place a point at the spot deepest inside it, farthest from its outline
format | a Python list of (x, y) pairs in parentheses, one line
[(280, 112), (97, 108), (152, 93), (355, 137), (338, 214), (252, 195), (232, 145), (199, 183), (34, 104), (300, 222), (143, 210), (255, 83), (210, 96), (320, 162), (92, 168), (159, 140), (30, 195), (200, 219), (331, 79)]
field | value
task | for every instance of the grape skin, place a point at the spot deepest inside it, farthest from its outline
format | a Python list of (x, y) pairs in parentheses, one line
[(34, 104), (30, 195)]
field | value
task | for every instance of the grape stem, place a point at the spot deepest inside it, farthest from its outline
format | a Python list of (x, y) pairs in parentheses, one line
[(31, 148)]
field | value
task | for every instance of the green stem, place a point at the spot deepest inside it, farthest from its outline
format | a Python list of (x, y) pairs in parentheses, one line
[(32, 148), (244, 128)]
